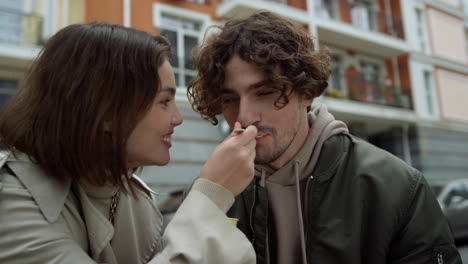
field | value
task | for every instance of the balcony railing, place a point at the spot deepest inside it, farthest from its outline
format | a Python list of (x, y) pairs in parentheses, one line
[(390, 25), (365, 19), (371, 92), (273, 1), (20, 28)]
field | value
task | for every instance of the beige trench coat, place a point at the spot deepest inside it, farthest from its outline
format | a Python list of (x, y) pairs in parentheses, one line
[(46, 221)]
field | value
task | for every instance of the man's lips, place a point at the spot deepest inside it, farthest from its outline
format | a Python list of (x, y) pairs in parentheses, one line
[(240, 130), (260, 138)]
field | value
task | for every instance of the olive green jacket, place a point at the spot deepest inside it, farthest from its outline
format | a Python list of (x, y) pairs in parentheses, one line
[(362, 205)]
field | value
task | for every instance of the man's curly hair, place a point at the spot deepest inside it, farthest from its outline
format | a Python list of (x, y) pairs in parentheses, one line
[(283, 50)]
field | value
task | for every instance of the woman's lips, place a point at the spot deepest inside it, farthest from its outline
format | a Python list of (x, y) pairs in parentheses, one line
[(166, 139)]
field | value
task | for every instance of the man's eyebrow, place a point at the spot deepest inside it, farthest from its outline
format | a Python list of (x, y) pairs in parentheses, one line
[(170, 90), (253, 86)]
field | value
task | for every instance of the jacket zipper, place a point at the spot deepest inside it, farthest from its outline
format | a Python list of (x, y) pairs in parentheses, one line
[(306, 207), (440, 258), (252, 213)]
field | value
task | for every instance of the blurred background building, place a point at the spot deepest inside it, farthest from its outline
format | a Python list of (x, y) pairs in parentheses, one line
[(399, 73)]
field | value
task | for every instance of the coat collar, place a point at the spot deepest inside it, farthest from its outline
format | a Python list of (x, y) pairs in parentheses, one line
[(48, 192)]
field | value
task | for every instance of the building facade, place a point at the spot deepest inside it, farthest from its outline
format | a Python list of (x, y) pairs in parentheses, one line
[(25, 25), (398, 72)]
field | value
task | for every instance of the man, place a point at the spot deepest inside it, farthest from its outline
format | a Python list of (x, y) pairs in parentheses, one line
[(320, 195)]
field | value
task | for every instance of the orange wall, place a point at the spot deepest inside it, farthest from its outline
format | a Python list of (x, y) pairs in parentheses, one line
[(397, 19), (141, 11), (353, 84), (301, 4), (404, 73), (381, 19), (207, 8), (104, 11), (405, 78), (345, 11), (141, 16)]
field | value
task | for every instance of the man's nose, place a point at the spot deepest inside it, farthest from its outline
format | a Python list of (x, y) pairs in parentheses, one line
[(248, 113)]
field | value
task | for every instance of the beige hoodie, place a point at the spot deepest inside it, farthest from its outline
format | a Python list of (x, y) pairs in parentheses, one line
[(284, 186)]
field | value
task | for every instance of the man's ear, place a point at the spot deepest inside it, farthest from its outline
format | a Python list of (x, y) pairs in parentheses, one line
[(106, 126), (307, 101)]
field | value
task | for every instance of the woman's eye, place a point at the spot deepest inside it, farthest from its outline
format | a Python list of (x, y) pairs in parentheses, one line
[(165, 102)]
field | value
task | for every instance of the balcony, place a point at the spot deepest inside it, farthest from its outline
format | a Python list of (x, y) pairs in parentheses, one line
[(373, 32), (229, 9), (354, 88), (20, 37), (20, 29)]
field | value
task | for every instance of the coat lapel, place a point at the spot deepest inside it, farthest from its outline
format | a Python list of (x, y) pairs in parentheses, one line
[(49, 192), (100, 230)]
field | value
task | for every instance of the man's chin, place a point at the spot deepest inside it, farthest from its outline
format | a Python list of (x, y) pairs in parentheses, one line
[(259, 160)]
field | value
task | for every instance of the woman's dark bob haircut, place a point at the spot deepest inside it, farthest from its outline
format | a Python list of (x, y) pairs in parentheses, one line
[(269, 42), (82, 98)]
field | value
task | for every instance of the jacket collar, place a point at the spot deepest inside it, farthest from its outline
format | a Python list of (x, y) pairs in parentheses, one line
[(48, 192), (333, 151)]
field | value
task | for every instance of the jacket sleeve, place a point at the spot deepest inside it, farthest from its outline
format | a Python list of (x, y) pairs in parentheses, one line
[(26, 236), (424, 235), (200, 231)]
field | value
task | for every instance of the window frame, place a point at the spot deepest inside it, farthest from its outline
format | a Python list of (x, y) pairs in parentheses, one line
[(342, 68), (7, 90), (320, 7), (425, 34), (372, 10), (204, 21), (380, 62)]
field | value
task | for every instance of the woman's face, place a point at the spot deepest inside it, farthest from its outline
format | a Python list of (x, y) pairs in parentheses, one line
[(150, 140)]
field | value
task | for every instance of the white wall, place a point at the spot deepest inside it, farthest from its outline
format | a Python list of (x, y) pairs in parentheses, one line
[(453, 91), (447, 35), (419, 90)]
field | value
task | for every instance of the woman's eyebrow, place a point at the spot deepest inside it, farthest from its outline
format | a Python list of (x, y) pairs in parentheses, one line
[(170, 90)]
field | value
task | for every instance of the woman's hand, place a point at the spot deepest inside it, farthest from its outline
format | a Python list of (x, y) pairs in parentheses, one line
[(231, 164)]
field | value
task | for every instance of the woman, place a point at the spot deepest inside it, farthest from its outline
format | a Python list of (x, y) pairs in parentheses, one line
[(97, 104)]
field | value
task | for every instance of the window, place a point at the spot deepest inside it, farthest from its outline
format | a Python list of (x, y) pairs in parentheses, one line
[(456, 195), (336, 75), (7, 89), (197, 1), (11, 22), (370, 77), (363, 15), (336, 83), (370, 71), (466, 41), (421, 33), (429, 92), (327, 9), (184, 35), (277, 1)]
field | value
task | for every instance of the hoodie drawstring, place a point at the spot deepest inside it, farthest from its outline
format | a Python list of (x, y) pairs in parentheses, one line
[(299, 209), (262, 179)]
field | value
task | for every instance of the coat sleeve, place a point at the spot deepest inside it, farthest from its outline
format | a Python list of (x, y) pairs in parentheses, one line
[(26, 236), (424, 236), (200, 231)]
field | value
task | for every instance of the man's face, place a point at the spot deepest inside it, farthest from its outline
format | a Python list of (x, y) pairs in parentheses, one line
[(281, 131)]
